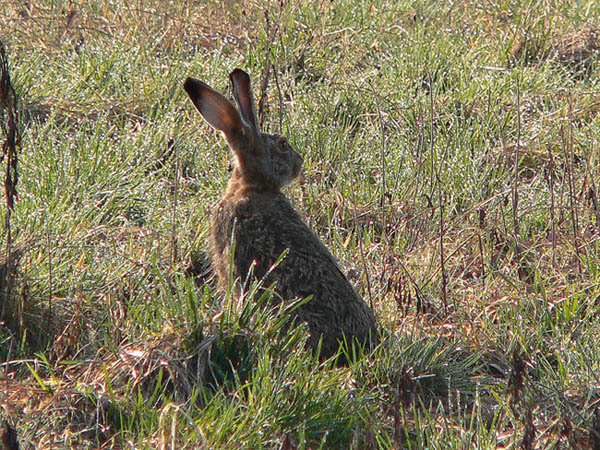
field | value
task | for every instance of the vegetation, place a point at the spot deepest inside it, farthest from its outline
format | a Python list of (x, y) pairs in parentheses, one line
[(451, 164)]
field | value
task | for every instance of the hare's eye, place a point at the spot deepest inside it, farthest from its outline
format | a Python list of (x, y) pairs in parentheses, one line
[(282, 146)]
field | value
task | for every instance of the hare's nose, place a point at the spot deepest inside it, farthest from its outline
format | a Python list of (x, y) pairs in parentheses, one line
[(298, 165)]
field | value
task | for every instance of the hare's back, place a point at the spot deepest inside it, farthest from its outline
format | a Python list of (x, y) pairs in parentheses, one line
[(266, 226)]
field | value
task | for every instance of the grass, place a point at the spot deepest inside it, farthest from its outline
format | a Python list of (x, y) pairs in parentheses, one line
[(452, 147)]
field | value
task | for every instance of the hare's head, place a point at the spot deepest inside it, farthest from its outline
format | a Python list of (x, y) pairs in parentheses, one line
[(263, 161)]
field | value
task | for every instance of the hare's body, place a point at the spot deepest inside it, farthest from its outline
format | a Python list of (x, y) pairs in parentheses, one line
[(264, 224)]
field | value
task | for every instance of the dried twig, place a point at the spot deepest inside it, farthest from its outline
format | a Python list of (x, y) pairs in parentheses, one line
[(8, 102), (50, 280), (280, 100), (383, 177), (173, 149), (515, 186), (383, 152), (516, 381), (442, 255), (572, 196), (8, 437), (440, 200), (271, 34), (552, 206), (567, 147), (480, 244), (263, 90), (360, 245)]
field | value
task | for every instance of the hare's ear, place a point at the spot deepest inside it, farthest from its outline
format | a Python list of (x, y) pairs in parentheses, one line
[(243, 95), (214, 107)]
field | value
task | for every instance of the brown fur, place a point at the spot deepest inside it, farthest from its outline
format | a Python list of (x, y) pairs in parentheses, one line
[(264, 224)]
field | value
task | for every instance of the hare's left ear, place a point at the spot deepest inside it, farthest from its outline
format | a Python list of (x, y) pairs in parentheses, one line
[(242, 91), (215, 108)]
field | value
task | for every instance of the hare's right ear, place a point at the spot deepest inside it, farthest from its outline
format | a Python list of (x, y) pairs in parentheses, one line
[(242, 92), (214, 107)]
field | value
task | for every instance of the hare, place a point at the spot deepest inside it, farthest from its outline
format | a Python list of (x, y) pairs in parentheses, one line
[(263, 224)]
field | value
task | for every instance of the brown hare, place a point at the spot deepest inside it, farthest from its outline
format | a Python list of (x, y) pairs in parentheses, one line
[(264, 224)]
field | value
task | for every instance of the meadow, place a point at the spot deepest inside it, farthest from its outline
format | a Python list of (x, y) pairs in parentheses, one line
[(451, 164)]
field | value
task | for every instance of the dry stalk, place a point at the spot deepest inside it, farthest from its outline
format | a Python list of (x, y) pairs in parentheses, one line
[(383, 152), (572, 196), (360, 245), (8, 102), (515, 184), (50, 281), (442, 256), (280, 100), (440, 201), (263, 88), (273, 29), (592, 194), (173, 148), (480, 244), (419, 155), (567, 147), (383, 180), (552, 206), (271, 33), (505, 151)]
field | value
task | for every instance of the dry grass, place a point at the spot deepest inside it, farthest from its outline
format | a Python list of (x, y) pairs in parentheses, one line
[(117, 338)]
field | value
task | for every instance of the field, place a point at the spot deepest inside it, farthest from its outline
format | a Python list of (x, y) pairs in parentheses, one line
[(451, 165)]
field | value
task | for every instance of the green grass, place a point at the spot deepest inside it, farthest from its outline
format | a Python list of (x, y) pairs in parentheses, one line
[(417, 121)]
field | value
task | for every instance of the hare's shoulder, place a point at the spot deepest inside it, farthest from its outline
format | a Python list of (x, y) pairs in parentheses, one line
[(274, 216), (265, 232)]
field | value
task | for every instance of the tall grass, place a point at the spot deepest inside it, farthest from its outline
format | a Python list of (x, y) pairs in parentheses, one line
[(420, 124)]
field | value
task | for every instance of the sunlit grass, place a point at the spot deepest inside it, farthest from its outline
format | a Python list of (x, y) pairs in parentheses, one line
[(417, 122)]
